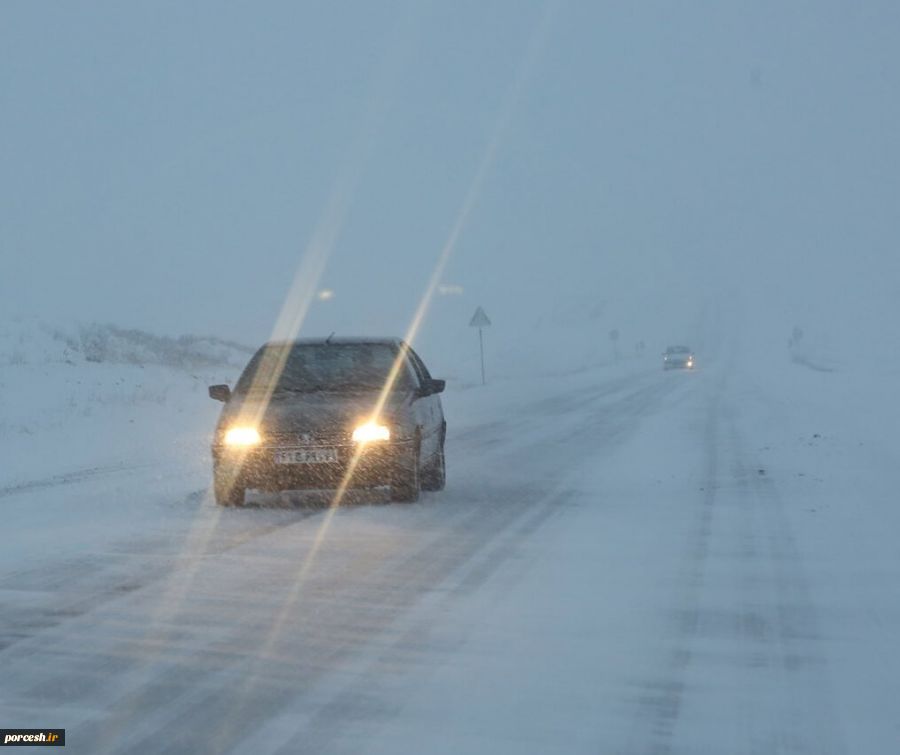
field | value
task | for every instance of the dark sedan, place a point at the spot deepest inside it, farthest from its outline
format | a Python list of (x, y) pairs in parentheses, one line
[(330, 414)]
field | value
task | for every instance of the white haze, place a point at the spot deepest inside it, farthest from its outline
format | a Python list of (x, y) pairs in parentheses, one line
[(165, 166)]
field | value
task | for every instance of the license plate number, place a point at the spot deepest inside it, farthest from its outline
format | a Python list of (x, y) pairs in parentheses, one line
[(306, 456)]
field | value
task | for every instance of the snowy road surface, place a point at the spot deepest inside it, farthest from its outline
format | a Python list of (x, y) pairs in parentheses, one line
[(624, 561)]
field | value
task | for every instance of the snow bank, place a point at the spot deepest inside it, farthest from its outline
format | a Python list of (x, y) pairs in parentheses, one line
[(99, 396)]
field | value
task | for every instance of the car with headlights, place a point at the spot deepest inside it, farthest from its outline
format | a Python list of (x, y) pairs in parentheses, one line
[(330, 414), (678, 358)]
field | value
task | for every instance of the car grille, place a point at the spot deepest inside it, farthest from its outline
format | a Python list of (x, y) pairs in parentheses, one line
[(319, 438)]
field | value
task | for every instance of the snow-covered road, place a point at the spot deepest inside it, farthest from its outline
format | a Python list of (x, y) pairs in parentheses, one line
[(624, 560)]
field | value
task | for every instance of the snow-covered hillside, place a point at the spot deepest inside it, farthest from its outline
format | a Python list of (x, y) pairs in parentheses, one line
[(97, 396)]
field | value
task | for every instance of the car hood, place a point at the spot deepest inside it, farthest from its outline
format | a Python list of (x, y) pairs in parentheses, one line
[(316, 413)]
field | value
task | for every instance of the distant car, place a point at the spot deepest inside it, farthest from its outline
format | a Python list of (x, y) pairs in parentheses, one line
[(324, 414), (678, 357)]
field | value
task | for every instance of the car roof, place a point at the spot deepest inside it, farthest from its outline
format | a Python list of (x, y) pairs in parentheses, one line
[(678, 349), (343, 341)]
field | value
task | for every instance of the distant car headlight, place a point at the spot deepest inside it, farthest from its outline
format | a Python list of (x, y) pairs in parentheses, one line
[(371, 431), (242, 436)]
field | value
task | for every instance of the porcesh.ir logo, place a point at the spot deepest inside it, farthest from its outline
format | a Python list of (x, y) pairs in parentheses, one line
[(32, 737)]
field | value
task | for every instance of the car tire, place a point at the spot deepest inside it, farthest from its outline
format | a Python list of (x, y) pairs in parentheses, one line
[(406, 482), (227, 490), (435, 477)]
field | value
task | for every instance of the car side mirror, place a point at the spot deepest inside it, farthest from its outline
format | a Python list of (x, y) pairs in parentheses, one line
[(220, 392), (432, 387)]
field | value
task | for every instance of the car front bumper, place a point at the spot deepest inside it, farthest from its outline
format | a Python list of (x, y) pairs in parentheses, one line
[(368, 466)]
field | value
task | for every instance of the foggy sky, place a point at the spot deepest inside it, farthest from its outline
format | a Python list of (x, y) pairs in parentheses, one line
[(165, 165)]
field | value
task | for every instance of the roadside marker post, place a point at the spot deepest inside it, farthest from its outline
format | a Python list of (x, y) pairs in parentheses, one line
[(481, 321), (614, 337)]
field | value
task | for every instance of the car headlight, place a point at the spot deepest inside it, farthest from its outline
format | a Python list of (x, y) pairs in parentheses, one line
[(371, 431), (242, 436)]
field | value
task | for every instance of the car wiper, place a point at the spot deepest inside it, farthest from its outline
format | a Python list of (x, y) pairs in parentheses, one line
[(304, 389), (335, 387)]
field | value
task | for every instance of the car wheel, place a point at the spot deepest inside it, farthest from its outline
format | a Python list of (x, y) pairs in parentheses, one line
[(227, 490), (406, 482), (435, 478)]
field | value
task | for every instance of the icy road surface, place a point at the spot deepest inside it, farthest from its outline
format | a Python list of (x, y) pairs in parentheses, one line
[(624, 561)]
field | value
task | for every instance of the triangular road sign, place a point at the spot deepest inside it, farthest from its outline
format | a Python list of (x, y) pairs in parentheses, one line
[(479, 319)]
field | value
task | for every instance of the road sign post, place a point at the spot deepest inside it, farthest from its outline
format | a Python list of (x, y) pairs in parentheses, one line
[(481, 321)]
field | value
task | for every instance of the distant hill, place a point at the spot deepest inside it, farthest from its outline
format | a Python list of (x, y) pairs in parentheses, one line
[(30, 342)]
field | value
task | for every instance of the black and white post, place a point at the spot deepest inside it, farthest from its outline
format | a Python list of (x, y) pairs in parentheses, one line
[(481, 321)]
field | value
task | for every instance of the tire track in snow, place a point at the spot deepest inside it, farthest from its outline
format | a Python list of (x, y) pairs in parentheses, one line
[(340, 616), (45, 596), (743, 669), (661, 700), (70, 478), (787, 628)]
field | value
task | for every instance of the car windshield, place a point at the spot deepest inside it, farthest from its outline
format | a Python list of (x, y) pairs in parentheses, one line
[(678, 350), (307, 368)]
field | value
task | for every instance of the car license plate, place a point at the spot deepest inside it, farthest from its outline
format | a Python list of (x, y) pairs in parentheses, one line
[(306, 456)]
